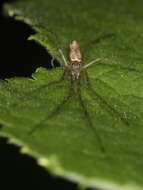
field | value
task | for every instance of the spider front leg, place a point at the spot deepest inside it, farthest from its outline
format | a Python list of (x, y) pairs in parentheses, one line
[(122, 66), (88, 117), (58, 44), (63, 57), (94, 61), (98, 60)]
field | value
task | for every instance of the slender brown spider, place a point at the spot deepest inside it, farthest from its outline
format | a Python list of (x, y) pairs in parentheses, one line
[(76, 70)]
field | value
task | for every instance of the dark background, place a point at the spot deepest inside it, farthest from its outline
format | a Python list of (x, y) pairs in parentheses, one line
[(20, 57)]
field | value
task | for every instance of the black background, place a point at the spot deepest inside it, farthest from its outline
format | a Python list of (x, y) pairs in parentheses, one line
[(20, 57)]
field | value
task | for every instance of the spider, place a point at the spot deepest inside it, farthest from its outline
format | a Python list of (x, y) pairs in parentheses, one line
[(74, 68)]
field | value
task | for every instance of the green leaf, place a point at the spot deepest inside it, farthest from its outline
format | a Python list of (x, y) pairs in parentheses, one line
[(68, 142)]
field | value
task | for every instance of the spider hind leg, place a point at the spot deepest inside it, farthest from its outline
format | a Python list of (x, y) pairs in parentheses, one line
[(87, 116)]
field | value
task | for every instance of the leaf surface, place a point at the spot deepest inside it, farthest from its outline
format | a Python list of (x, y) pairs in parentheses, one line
[(65, 141)]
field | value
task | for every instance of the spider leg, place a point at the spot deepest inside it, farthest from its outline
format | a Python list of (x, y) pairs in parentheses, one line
[(105, 102), (52, 58), (100, 59), (52, 61), (122, 66), (58, 44), (98, 40), (65, 99), (88, 117), (63, 57), (94, 61), (58, 108), (39, 88)]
